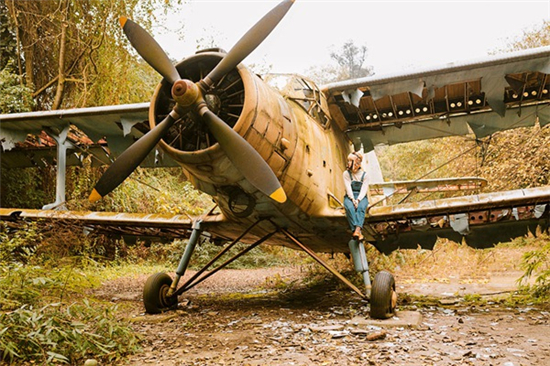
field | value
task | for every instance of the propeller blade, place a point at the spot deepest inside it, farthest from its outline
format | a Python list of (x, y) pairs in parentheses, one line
[(249, 42), (245, 158), (130, 159), (149, 49)]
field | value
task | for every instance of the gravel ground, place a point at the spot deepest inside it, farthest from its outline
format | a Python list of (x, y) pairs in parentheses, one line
[(245, 317)]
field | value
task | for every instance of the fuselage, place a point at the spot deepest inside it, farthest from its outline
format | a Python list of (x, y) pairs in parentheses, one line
[(289, 126)]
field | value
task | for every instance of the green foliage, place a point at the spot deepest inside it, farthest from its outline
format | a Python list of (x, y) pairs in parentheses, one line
[(349, 59), (14, 96), (163, 191), (42, 319), (432, 159), (259, 257), (8, 39), (53, 243), (537, 263), (18, 245), (28, 187), (83, 37), (55, 334), (34, 285)]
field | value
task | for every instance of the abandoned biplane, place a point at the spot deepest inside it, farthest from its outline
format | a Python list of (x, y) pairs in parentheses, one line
[(272, 157)]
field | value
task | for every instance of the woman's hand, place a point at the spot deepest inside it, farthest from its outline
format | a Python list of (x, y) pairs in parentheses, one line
[(355, 203)]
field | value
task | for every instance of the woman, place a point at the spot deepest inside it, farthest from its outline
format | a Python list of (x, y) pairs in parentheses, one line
[(355, 201)]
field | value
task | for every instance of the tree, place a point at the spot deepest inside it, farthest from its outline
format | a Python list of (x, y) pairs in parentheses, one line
[(16, 97), (538, 36), (324, 74), (350, 59), (75, 54), (8, 41)]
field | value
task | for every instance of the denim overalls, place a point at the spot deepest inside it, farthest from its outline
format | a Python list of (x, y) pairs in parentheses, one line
[(356, 217)]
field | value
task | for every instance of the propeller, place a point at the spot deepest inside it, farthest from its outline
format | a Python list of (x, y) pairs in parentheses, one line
[(189, 96), (130, 159), (149, 49), (248, 42)]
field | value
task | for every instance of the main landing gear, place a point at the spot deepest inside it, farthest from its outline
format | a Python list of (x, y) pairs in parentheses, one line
[(383, 300), (160, 292), (155, 294), (381, 293)]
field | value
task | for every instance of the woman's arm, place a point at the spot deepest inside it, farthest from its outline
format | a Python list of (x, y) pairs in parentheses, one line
[(347, 183), (364, 188)]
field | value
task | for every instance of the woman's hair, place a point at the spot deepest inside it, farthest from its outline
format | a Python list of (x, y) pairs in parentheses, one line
[(356, 155)]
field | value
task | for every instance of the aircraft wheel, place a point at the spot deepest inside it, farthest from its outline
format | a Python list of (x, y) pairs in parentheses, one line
[(383, 300), (154, 294)]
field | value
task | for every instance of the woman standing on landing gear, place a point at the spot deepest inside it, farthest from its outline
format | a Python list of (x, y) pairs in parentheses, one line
[(355, 201)]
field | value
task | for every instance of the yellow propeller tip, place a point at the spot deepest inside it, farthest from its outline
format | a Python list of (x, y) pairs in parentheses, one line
[(122, 21), (94, 196), (279, 195)]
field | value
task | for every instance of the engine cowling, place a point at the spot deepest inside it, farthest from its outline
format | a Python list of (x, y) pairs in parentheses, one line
[(241, 99)]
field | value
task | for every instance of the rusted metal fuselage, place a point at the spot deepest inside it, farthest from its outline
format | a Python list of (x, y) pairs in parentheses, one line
[(306, 154)]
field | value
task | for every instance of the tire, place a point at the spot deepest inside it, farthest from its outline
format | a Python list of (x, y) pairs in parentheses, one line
[(154, 294), (382, 301)]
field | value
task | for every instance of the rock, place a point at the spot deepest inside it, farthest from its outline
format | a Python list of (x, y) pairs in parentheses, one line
[(91, 362), (359, 331), (338, 334), (376, 336), (327, 328)]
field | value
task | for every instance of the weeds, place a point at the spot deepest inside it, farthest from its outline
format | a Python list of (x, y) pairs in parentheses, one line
[(43, 318), (55, 333), (537, 263)]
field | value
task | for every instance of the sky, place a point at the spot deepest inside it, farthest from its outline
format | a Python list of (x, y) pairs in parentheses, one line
[(399, 35)]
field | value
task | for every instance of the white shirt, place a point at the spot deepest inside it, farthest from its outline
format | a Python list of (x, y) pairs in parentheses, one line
[(356, 177)]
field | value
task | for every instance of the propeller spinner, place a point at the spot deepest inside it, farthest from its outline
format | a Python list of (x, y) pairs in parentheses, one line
[(189, 96)]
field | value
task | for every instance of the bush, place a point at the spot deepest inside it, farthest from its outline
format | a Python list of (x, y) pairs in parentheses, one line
[(42, 317), (537, 263), (57, 334), (15, 97)]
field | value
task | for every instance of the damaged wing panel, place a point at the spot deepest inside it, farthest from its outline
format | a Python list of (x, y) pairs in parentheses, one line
[(102, 132), (481, 220), (481, 96)]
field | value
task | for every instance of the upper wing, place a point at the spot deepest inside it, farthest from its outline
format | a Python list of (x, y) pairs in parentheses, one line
[(481, 96), (119, 125)]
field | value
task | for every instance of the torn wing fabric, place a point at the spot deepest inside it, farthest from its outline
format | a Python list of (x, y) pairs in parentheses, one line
[(480, 96)]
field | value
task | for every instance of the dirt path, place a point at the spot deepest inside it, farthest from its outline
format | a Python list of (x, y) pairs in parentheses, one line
[(253, 323)]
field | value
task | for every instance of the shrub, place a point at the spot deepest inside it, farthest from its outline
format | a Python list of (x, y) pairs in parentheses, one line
[(537, 263), (42, 317), (64, 334)]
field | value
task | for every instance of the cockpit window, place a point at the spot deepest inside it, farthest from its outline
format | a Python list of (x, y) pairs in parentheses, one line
[(303, 91)]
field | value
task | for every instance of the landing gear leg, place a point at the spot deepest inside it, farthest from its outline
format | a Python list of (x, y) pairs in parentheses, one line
[(360, 263), (159, 290), (381, 294)]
